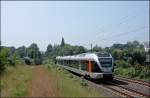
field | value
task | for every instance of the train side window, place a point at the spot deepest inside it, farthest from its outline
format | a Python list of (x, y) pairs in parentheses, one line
[(84, 66), (67, 62), (64, 62), (60, 62), (74, 64), (70, 63)]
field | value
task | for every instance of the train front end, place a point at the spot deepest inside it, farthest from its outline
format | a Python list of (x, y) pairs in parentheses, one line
[(105, 62)]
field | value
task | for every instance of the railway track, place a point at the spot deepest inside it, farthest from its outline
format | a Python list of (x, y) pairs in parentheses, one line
[(129, 92), (137, 86), (120, 87), (133, 80), (121, 91)]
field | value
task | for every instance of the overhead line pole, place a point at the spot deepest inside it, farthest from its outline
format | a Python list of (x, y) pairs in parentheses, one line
[(91, 47)]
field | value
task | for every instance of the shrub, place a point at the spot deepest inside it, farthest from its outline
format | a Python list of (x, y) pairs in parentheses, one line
[(83, 83), (132, 72), (122, 63), (3, 59), (27, 60), (70, 76), (11, 62)]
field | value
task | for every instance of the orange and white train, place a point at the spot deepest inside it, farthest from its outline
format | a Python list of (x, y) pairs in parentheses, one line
[(96, 65)]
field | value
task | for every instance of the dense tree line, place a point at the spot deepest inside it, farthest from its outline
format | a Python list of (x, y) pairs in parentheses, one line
[(12, 56), (131, 53), (63, 50)]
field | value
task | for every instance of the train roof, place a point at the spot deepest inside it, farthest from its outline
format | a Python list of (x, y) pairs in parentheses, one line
[(85, 56)]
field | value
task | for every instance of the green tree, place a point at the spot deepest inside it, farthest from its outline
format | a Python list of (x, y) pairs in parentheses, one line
[(118, 46), (62, 42), (11, 50), (4, 54), (34, 53), (21, 51), (135, 43), (49, 50), (97, 49), (67, 50), (139, 57), (78, 49), (14, 59)]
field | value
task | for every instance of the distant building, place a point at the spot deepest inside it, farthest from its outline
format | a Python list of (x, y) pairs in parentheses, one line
[(147, 50), (146, 46)]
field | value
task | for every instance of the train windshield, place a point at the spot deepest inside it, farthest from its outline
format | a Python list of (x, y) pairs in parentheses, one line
[(103, 54), (106, 62)]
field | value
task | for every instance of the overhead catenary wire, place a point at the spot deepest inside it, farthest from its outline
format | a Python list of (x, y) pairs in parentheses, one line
[(124, 33), (125, 19), (120, 34), (123, 22), (133, 38), (128, 18)]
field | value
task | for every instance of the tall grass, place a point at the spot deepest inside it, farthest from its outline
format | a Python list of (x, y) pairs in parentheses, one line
[(70, 86), (15, 81)]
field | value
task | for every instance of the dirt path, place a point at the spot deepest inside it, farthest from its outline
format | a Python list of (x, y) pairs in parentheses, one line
[(42, 84)]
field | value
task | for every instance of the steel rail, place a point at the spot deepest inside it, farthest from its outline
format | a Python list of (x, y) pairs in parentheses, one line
[(133, 80), (129, 89), (119, 92)]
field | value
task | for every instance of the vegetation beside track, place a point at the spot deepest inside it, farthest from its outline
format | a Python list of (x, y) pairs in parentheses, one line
[(15, 81), (129, 54), (137, 72), (69, 85), (129, 60)]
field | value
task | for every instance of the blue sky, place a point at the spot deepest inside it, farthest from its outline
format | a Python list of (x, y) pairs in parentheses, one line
[(79, 22)]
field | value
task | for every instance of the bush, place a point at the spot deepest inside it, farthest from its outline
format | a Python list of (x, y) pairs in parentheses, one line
[(122, 63), (83, 83), (11, 62), (27, 60), (3, 59), (14, 60), (131, 72), (139, 72)]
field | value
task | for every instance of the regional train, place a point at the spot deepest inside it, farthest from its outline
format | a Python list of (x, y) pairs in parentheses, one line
[(94, 65)]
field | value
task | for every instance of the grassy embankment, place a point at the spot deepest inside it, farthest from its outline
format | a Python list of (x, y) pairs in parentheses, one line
[(15, 81), (69, 85)]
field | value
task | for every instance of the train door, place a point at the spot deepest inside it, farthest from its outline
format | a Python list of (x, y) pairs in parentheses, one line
[(90, 66), (84, 65)]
